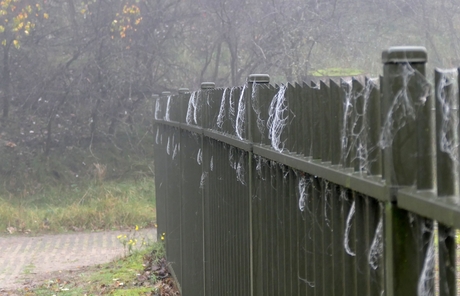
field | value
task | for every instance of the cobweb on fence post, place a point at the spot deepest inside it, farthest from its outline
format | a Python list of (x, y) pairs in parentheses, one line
[(240, 115), (303, 187), (238, 163), (276, 118), (231, 157), (168, 146), (192, 109), (376, 249), (260, 162), (405, 103), (221, 116), (204, 175), (360, 137), (199, 157), (256, 107), (346, 239), (231, 108), (157, 137), (347, 112), (168, 109), (240, 172), (327, 197), (175, 151), (157, 108), (450, 121), (425, 287)]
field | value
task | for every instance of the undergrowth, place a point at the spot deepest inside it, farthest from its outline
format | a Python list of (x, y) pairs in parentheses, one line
[(85, 206)]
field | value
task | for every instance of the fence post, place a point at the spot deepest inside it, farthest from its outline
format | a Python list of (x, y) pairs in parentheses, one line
[(448, 171), (404, 110), (255, 217), (205, 87)]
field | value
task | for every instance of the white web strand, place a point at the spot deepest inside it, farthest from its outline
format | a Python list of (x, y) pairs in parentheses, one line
[(204, 175), (231, 109), (241, 115), (157, 137), (240, 172), (347, 113), (175, 151), (192, 109), (260, 162), (199, 157), (424, 287), (276, 119), (311, 284), (231, 158), (346, 239), (361, 139), (157, 108), (168, 109), (303, 192), (168, 147), (403, 103), (256, 108), (221, 116), (376, 250), (211, 163), (237, 164), (327, 197), (448, 136)]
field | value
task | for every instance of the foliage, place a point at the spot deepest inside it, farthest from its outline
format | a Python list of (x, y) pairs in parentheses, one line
[(130, 241), (18, 18)]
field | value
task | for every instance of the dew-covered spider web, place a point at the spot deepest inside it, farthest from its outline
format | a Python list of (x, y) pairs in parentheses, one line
[(277, 118)]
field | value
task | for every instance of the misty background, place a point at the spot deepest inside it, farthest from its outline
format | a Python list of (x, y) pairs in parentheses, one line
[(77, 77)]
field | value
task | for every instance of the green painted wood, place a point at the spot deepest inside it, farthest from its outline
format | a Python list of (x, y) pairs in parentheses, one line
[(336, 122), (325, 121)]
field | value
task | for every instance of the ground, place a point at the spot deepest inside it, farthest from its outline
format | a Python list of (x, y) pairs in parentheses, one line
[(61, 262)]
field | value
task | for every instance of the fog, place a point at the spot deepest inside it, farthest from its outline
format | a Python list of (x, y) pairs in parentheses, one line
[(77, 74)]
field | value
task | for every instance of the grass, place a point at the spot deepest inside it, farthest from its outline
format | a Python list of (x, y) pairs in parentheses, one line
[(121, 277), (87, 206), (337, 72)]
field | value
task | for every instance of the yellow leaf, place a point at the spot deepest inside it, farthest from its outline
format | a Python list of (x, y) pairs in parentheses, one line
[(4, 42), (45, 15), (16, 44), (2, 29)]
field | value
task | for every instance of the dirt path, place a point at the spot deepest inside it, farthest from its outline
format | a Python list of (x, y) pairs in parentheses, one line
[(24, 259)]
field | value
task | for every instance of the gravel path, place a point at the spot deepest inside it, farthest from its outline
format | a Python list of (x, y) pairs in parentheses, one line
[(23, 258)]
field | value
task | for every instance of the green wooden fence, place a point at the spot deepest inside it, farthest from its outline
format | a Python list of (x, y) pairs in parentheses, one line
[(346, 187)]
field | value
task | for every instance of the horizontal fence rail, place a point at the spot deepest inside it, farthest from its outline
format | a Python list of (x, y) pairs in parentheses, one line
[(340, 187)]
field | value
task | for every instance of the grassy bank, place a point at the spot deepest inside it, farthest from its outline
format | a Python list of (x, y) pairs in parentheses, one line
[(87, 206)]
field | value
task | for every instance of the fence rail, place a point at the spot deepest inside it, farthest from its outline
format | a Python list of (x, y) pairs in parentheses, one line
[(346, 187)]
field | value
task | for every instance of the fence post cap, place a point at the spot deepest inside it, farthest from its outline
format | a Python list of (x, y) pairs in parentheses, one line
[(405, 54), (208, 85), (165, 93), (183, 90), (259, 78)]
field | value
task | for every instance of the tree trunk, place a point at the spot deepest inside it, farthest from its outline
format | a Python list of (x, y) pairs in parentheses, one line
[(6, 80)]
